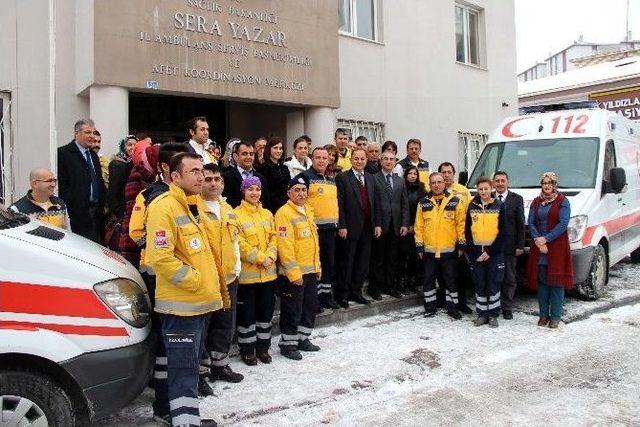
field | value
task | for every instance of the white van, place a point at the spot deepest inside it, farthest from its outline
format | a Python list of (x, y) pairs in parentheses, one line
[(75, 341), (596, 154)]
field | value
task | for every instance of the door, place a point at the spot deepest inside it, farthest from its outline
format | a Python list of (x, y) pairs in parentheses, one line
[(613, 204)]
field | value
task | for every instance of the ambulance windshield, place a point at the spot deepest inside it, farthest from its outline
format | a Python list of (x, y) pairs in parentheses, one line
[(575, 161)]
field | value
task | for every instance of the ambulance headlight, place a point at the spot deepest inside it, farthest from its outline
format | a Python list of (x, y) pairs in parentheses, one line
[(127, 299), (577, 227)]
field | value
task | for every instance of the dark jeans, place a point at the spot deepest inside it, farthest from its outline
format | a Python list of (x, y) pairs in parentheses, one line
[(298, 307), (550, 298)]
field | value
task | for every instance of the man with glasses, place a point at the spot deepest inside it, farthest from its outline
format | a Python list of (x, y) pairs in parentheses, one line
[(40, 203), (190, 285), (81, 184)]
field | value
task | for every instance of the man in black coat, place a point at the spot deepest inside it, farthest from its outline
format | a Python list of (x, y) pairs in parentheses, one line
[(80, 182), (357, 215), (514, 238), (244, 156), (393, 222)]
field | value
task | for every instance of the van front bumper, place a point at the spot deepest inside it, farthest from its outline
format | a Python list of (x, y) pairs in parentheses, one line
[(111, 379)]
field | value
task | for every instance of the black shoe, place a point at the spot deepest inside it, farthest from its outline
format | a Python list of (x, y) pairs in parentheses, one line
[(331, 304), (208, 423), (343, 303), (291, 353), (376, 296), (430, 313), (360, 299), (307, 345), (319, 310), (507, 314), (204, 389), (464, 308), (264, 357), (249, 359), (225, 373), (454, 314), (395, 294)]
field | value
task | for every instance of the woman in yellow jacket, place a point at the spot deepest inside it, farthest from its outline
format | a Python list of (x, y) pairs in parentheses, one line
[(256, 290)]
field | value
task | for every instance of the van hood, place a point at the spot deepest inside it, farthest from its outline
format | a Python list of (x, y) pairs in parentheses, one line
[(76, 247), (578, 197)]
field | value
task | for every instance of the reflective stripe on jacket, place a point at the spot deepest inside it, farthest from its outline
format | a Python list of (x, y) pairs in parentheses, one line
[(483, 227), (188, 279), (298, 244), (223, 233), (257, 240), (323, 198), (439, 228)]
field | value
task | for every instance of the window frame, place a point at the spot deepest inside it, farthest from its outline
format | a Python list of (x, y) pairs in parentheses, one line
[(6, 145), (360, 127), (353, 21), (466, 11), (467, 155)]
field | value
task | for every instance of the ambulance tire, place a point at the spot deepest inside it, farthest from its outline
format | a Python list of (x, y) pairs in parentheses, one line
[(635, 256), (593, 288), (45, 397)]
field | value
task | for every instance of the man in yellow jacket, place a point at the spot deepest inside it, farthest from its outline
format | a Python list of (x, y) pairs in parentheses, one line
[(439, 229), (299, 262), (189, 285)]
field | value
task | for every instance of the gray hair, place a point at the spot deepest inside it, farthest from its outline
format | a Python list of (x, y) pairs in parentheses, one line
[(82, 122), (435, 174)]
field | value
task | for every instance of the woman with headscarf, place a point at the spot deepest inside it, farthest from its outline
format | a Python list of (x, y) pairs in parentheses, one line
[(227, 157), (549, 266), (143, 173), (257, 281)]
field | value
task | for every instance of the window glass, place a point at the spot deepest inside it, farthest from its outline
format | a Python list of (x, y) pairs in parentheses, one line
[(364, 16), (460, 43), (345, 16), (473, 38)]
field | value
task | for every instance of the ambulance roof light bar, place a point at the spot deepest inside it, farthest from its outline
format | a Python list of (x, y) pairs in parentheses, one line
[(557, 107)]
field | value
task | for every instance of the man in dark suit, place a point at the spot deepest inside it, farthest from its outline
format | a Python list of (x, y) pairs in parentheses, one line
[(80, 182), (393, 222), (357, 214), (244, 156), (514, 238)]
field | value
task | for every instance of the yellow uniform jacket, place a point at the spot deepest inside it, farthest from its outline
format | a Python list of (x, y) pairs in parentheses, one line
[(439, 227), (257, 241)]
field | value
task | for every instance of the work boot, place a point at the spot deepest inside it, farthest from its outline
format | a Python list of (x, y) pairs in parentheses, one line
[(553, 323), (331, 304), (430, 313), (464, 308), (225, 373), (481, 320), (493, 322), (307, 345), (204, 389), (291, 353), (249, 359), (454, 314), (208, 423), (264, 357), (543, 321), (507, 314)]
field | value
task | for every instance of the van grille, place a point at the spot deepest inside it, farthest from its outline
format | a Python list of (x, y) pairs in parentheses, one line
[(47, 233)]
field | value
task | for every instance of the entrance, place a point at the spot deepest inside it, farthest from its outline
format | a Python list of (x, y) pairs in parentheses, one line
[(164, 118)]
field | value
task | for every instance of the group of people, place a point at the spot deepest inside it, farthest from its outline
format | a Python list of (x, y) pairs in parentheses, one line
[(218, 234)]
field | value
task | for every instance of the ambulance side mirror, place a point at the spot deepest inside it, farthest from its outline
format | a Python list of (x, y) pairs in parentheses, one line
[(618, 180), (463, 177)]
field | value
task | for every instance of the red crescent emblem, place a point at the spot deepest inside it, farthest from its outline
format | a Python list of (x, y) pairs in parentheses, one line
[(506, 130)]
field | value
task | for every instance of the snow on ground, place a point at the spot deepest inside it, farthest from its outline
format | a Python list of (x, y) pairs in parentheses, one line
[(402, 369)]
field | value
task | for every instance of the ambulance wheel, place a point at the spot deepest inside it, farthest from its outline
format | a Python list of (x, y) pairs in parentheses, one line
[(31, 399), (635, 256), (594, 286)]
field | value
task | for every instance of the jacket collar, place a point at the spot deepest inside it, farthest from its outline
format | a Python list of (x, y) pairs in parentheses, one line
[(52, 200), (249, 207)]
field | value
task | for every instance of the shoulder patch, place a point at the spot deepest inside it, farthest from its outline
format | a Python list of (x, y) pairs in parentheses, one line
[(160, 240), (282, 231)]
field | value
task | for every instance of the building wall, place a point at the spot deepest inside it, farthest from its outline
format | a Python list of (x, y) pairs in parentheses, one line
[(411, 82)]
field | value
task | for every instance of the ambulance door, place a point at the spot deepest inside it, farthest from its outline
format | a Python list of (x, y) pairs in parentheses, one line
[(612, 203)]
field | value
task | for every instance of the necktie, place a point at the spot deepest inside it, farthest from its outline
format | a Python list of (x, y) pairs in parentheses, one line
[(93, 195), (500, 197), (361, 179), (245, 174), (389, 183)]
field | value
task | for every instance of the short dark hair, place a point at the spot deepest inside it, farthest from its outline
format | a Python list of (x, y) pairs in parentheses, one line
[(414, 141), (484, 179), (341, 131), (358, 149), (500, 173), (212, 167), (362, 138), (78, 125), (443, 164), (236, 147), (306, 138), (298, 141), (324, 148), (175, 164), (261, 137), (391, 144), (192, 124), (170, 149), (272, 142)]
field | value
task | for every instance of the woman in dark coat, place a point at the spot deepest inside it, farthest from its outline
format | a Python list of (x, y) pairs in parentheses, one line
[(410, 271), (275, 172), (549, 266), (119, 169)]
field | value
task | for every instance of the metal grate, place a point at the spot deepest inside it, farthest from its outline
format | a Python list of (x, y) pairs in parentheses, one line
[(47, 233)]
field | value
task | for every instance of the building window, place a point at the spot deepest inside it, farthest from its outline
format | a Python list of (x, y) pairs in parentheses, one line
[(470, 146), (358, 18), (374, 131), (467, 34), (5, 127)]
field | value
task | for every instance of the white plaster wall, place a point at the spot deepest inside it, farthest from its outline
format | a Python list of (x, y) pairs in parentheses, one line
[(412, 83)]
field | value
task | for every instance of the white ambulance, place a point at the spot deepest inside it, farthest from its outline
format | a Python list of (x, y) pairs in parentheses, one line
[(596, 154), (75, 341)]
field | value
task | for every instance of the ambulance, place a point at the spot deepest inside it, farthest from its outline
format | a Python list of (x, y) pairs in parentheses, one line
[(596, 154), (75, 341)]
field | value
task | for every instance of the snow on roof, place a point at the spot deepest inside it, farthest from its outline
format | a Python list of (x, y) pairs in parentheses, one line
[(621, 69)]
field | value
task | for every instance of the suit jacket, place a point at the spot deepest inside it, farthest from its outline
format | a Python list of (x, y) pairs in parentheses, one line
[(393, 205), (514, 223), (350, 211), (232, 182), (74, 187)]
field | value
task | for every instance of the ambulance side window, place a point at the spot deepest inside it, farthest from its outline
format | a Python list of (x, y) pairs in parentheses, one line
[(609, 163)]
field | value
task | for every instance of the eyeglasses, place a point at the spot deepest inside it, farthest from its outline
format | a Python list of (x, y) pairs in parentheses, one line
[(196, 172), (48, 181), (546, 183), (213, 178)]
